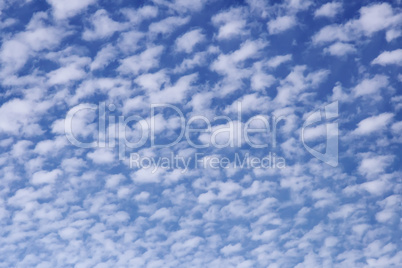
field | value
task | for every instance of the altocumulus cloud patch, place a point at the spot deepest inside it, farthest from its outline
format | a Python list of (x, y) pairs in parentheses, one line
[(200, 133)]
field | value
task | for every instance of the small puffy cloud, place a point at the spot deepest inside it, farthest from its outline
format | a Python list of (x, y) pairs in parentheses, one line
[(374, 164), (377, 17), (43, 176), (68, 233), (248, 49), (152, 81), (389, 57), (331, 33), (58, 126), (135, 104), (391, 209), (47, 147), (384, 216), (7, 22), (163, 215), (6, 142), (63, 9), (101, 156), (331, 241), (297, 82), (201, 101), (278, 60), (14, 54), (340, 49), (339, 94), (135, 16), (189, 5), (14, 114), (206, 198), (281, 24), (298, 5), (329, 10), (21, 116), (65, 74), (198, 59), (260, 80), (261, 8), (375, 187), (104, 57), (20, 148), (230, 249), (144, 61), (226, 64), (128, 42), (114, 180), (72, 165), (249, 103), (392, 34), (232, 65), (373, 124), (187, 41), (175, 93), (183, 6), (102, 26), (182, 248), (231, 23), (143, 196), (168, 25), (148, 175), (397, 128), (371, 85)]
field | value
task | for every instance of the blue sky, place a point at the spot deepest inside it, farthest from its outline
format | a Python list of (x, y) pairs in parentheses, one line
[(80, 85)]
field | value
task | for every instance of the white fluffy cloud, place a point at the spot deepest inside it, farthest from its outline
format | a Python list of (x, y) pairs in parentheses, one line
[(340, 49), (101, 156), (378, 17), (330, 33), (187, 41), (231, 23), (373, 18), (168, 25), (373, 165), (281, 24), (278, 60), (104, 57), (63, 9), (42, 177), (329, 10), (175, 93), (144, 61), (389, 58), (373, 124), (371, 85), (72, 70), (101, 26), (38, 36)]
